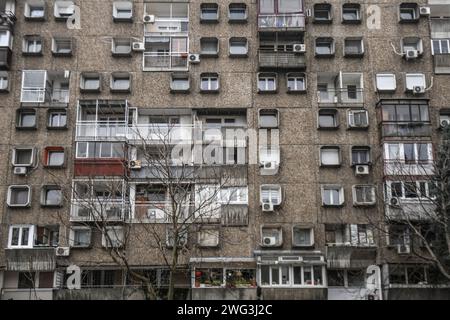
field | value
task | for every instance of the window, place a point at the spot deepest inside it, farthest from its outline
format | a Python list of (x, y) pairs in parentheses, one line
[(324, 47), (302, 237), (238, 47), (405, 113), (100, 150), (57, 119), (51, 196), (267, 82), (34, 84), (363, 195), (4, 81), (34, 10), (353, 47), (32, 45), (23, 157), (330, 156), (54, 156), (21, 236), (121, 47), (268, 118), (328, 119), (271, 236), (209, 82), (349, 235), (409, 12), (209, 47), (409, 153), (239, 278), (234, 195), (26, 119), (19, 196), (332, 195), (413, 190), (415, 80), (208, 238), (80, 237), (358, 119), (322, 13), (360, 155), (6, 39), (120, 82), (399, 234), (113, 237), (62, 46), (64, 9), (351, 13), (296, 82), (122, 11), (209, 12), (212, 277), (182, 236), (90, 82), (271, 194), (440, 46), (46, 236), (412, 44), (386, 82), (180, 82), (237, 12), (291, 275)]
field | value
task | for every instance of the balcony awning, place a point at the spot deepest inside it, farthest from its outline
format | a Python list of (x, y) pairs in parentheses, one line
[(343, 257), (30, 259)]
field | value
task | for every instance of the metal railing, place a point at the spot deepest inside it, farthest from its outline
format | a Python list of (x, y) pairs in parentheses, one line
[(97, 210), (168, 133), (335, 96), (165, 60), (279, 21), (101, 130), (273, 59)]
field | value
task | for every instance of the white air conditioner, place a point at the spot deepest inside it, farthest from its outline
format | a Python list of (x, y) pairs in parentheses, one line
[(394, 202), (418, 89), (269, 241), (194, 58), (444, 123), (138, 46), (20, 170), (135, 164), (411, 54), (335, 99), (299, 48), (424, 11), (267, 207), (361, 170), (62, 251), (403, 249), (149, 18)]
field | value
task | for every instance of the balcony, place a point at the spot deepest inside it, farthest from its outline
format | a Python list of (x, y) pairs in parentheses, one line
[(441, 63), (98, 210), (405, 129), (159, 211), (5, 58), (100, 167), (36, 259), (165, 61), (162, 133), (281, 22), (402, 168), (101, 130), (344, 257), (281, 60), (341, 96), (26, 294), (414, 210)]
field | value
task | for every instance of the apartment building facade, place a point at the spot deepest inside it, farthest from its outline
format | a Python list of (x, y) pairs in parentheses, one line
[(337, 106)]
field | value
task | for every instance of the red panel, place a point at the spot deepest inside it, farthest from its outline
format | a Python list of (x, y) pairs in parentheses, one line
[(100, 167)]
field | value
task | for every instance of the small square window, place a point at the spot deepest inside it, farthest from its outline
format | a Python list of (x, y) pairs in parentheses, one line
[(54, 157), (411, 44), (208, 237), (353, 47), (360, 156), (267, 82), (120, 82), (21, 236), (122, 11), (180, 82), (358, 119), (4, 81), (268, 118), (332, 195), (322, 13), (57, 119), (32, 45), (19, 196), (363, 195), (414, 81), (296, 82), (121, 47), (181, 240), (386, 82), (23, 157), (26, 119), (324, 47), (113, 237), (209, 47), (271, 194), (62, 46), (328, 119), (237, 12), (351, 13), (64, 9), (51, 196), (409, 12), (330, 156), (238, 47), (80, 237), (209, 12), (302, 237), (34, 10), (90, 82), (209, 82)]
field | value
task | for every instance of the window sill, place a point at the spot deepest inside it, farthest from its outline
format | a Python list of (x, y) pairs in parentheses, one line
[(337, 206), (26, 128), (357, 127), (237, 21), (32, 54), (209, 21), (120, 90), (267, 91), (328, 55), (19, 206), (408, 21), (328, 128), (354, 55), (62, 54), (175, 91), (209, 91), (52, 205), (209, 55), (35, 19), (356, 21), (333, 166), (121, 54), (296, 91), (355, 204), (59, 18), (315, 21), (90, 90), (54, 167), (231, 55), (117, 19), (56, 128)]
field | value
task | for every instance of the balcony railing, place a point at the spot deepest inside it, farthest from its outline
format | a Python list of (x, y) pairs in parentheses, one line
[(59, 96), (341, 96), (288, 21), (412, 209), (43, 95), (99, 130), (167, 133), (36, 95), (160, 211), (97, 210), (165, 61), (402, 168), (406, 129), (284, 60), (442, 63)]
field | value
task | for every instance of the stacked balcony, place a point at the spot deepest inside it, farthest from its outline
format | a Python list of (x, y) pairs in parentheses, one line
[(7, 22)]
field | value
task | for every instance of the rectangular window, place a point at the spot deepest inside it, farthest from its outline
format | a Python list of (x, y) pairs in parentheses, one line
[(32, 45), (234, 195), (271, 194), (363, 195), (51, 196), (208, 238), (57, 119), (238, 47), (46, 236), (386, 82), (34, 9), (5, 38), (180, 82), (121, 46), (19, 196), (23, 157), (328, 118), (324, 46), (113, 237), (353, 47), (209, 82), (408, 12), (122, 10), (80, 237), (237, 12), (330, 156), (21, 236), (296, 82), (302, 237), (415, 80), (26, 119), (267, 82), (440, 46), (62, 46), (120, 82), (212, 277), (358, 119), (64, 9), (209, 12), (54, 156), (209, 46), (90, 82), (268, 118), (332, 195), (322, 13), (351, 13)]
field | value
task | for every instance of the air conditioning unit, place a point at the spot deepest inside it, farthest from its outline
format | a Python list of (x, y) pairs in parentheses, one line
[(269, 241), (149, 18), (135, 164), (267, 207), (62, 251), (138, 46), (445, 123), (335, 99), (411, 54), (20, 170), (362, 170), (403, 249), (394, 202), (418, 89), (424, 11), (299, 48), (194, 58)]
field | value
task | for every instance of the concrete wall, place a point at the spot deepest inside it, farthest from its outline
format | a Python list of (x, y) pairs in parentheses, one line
[(224, 294)]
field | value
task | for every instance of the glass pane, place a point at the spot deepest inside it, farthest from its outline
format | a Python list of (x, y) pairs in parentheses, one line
[(27, 120), (25, 236), (307, 275), (55, 158), (355, 278), (267, 6), (15, 236), (265, 275), (297, 275), (53, 197), (285, 275), (336, 278), (275, 275), (23, 156), (289, 6)]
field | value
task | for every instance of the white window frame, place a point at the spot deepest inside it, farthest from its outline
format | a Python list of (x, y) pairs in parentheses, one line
[(118, 232), (414, 10), (125, 42), (210, 79), (386, 88), (351, 118), (66, 7), (232, 41), (272, 112), (401, 152), (341, 199), (266, 77), (441, 45), (415, 76), (291, 276), (7, 37), (89, 76), (4, 81), (59, 113), (271, 154), (55, 41), (364, 203), (206, 235), (337, 151), (209, 5), (323, 40), (34, 42), (32, 157), (408, 199), (236, 6), (351, 6), (295, 77), (34, 4), (361, 41), (73, 230), (44, 195), (122, 6), (210, 40), (311, 236), (10, 190), (30, 236), (240, 192), (271, 188)]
